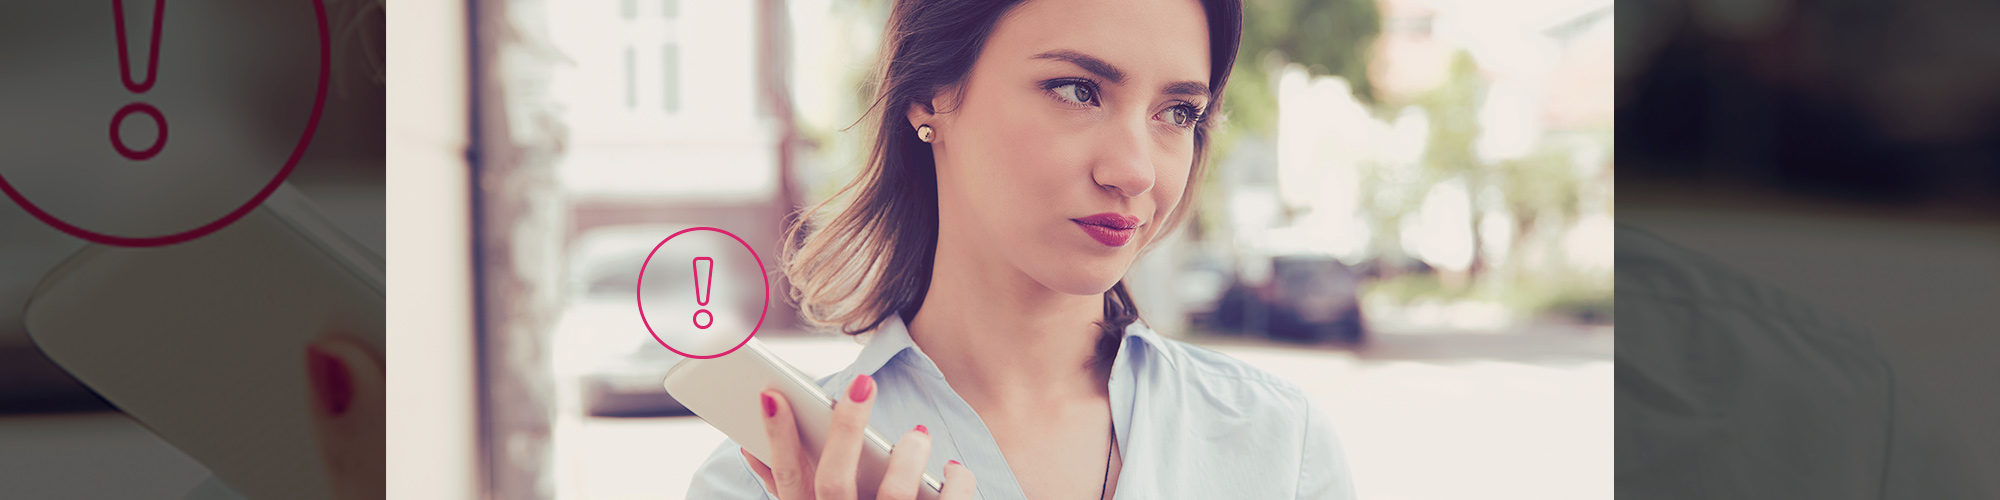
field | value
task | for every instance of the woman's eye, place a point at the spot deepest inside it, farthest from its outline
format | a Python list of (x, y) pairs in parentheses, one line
[(1179, 116), (1077, 93)]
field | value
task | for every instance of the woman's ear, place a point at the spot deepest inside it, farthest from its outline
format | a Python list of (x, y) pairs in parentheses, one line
[(920, 115), (941, 104)]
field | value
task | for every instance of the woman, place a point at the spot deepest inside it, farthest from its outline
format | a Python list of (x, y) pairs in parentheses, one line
[(1027, 153)]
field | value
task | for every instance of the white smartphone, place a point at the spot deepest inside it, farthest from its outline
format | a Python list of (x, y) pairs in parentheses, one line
[(723, 391), (204, 342)]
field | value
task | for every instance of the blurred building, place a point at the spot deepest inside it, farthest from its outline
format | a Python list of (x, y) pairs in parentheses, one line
[(660, 99), (675, 113)]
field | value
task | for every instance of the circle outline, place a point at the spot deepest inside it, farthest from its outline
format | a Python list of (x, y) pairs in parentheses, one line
[(305, 140), (118, 142), (639, 292)]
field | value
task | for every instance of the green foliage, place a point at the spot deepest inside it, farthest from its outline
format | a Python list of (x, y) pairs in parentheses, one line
[(1453, 108), (1540, 183), (1328, 37), (1561, 297)]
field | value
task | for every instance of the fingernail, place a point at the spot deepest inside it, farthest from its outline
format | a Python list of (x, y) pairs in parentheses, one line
[(954, 462), (770, 406), (920, 428), (862, 387), (330, 381)]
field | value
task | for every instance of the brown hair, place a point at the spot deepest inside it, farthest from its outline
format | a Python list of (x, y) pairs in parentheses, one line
[(873, 257)]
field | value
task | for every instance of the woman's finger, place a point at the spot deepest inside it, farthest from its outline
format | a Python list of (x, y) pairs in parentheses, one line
[(757, 466), (958, 482), (906, 466), (789, 470), (835, 478), (347, 388)]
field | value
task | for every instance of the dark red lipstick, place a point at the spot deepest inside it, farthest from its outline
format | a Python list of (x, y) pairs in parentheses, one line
[(1109, 228)]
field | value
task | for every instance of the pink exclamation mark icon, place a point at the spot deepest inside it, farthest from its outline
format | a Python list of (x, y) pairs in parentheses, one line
[(702, 292), (139, 86)]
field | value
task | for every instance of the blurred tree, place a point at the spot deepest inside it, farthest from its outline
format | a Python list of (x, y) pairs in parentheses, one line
[(1454, 111), (1539, 185), (1328, 37), (1453, 108)]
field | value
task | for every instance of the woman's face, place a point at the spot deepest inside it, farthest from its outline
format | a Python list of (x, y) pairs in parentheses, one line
[(1074, 138)]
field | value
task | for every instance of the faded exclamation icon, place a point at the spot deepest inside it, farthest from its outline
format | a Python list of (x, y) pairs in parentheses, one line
[(702, 292), (138, 86)]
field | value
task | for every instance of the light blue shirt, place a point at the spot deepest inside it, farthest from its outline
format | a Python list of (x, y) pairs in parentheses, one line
[(1191, 423)]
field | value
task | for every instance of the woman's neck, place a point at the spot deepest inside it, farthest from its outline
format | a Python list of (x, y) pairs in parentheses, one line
[(1003, 340)]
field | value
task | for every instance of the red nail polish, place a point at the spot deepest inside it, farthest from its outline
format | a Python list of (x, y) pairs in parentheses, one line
[(330, 381), (862, 387), (954, 462), (920, 428), (770, 406)]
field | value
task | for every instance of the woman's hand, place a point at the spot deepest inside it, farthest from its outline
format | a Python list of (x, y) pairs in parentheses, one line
[(346, 379), (794, 476)]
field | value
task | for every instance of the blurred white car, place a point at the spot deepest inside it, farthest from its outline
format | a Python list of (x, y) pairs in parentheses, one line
[(602, 343)]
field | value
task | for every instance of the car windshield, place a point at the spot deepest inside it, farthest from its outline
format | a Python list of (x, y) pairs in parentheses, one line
[(612, 285)]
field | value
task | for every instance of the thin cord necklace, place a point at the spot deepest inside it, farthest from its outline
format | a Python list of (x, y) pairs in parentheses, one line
[(1107, 464)]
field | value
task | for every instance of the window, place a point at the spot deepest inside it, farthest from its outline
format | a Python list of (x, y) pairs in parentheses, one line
[(670, 60), (631, 77)]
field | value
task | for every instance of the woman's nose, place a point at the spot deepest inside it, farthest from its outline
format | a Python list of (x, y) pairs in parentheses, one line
[(1122, 164)]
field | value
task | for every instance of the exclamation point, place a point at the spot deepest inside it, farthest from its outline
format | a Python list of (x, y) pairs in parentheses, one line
[(702, 281), (138, 86)]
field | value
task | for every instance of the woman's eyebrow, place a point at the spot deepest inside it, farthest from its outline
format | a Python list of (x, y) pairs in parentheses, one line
[(1112, 73), (1091, 64), (1186, 89)]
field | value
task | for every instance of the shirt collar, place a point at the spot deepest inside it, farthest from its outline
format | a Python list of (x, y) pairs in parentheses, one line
[(1143, 332), (892, 337), (889, 339)]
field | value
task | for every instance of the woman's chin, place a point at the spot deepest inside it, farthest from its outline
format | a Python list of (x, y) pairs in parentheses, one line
[(1075, 273), (1083, 281)]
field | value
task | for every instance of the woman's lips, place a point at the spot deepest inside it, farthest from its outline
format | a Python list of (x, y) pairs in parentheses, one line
[(1109, 228)]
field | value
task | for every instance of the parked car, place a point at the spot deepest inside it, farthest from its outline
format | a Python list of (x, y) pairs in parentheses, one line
[(601, 339), (1309, 298)]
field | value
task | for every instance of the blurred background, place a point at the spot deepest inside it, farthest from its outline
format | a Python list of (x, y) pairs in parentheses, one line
[(57, 437), (1846, 153), (1410, 215)]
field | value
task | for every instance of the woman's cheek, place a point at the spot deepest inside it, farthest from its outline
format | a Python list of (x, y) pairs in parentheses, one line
[(1171, 187), (1016, 185), (1040, 155)]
